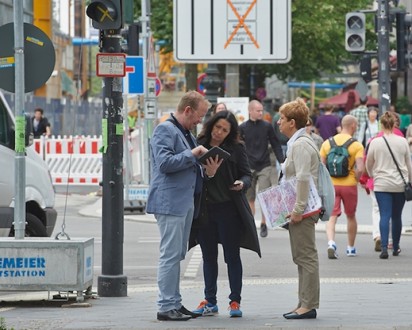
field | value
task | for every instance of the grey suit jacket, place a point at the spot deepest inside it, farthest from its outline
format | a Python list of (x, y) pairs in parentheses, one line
[(173, 172)]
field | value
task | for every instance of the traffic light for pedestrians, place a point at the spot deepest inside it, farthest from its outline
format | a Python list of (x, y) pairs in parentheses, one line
[(106, 14), (403, 34), (355, 32)]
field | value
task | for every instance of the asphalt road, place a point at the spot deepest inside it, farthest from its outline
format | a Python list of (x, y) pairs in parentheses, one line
[(141, 242)]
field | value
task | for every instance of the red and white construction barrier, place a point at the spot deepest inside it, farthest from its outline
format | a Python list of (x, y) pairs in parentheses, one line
[(74, 159), (77, 159)]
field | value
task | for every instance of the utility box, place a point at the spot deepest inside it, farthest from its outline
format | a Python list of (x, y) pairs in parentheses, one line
[(46, 264)]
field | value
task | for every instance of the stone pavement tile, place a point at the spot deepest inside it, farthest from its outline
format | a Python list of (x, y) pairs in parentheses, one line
[(361, 304)]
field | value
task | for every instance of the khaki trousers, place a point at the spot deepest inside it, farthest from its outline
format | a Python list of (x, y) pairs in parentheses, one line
[(305, 256)]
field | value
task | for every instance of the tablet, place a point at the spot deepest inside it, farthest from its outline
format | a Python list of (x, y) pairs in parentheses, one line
[(212, 153)]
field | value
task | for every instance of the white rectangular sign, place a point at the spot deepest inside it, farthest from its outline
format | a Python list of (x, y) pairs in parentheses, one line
[(238, 105), (150, 110), (227, 31), (110, 65)]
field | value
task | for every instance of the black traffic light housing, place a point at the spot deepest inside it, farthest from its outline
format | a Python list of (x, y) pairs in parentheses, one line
[(106, 14), (355, 36), (403, 31), (366, 68), (131, 36)]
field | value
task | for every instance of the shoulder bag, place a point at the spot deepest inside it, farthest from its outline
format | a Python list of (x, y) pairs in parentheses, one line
[(408, 187)]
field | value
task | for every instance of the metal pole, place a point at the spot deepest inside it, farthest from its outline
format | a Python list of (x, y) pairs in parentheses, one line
[(232, 78), (150, 102), (20, 147), (126, 144), (112, 282), (145, 35), (383, 56)]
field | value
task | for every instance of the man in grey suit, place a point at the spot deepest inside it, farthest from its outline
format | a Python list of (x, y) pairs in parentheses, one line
[(176, 180)]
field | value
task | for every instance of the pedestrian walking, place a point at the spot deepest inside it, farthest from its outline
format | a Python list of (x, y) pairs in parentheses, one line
[(328, 124), (257, 135), (302, 162), (176, 185), (367, 183), (225, 215), (389, 163), (40, 124), (361, 115), (310, 130), (346, 189), (370, 128)]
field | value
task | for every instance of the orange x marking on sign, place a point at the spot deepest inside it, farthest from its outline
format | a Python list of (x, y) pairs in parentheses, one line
[(105, 13), (241, 24)]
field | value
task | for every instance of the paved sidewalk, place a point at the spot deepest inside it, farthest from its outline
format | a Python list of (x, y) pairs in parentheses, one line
[(345, 304)]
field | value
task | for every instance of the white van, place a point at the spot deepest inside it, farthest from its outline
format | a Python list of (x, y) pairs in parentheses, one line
[(40, 213)]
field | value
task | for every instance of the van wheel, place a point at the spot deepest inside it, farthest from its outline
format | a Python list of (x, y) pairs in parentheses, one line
[(34, 227)]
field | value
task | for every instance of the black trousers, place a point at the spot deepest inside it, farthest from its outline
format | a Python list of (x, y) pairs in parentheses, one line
[(224, 226)]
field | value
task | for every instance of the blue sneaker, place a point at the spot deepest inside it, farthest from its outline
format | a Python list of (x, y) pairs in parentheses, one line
[(332, 252), (234, 308), (351, 252), (206, 309)]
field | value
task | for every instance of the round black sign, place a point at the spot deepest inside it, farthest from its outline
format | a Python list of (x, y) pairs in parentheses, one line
[(39, 57)]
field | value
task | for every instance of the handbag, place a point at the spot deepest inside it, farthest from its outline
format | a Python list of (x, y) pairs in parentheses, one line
[(408, 187), (326, 190)]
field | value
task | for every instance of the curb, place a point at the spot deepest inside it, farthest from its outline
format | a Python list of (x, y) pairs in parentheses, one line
[(95, 210)]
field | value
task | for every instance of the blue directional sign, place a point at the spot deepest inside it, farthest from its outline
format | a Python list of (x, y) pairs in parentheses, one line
[(133, 82)]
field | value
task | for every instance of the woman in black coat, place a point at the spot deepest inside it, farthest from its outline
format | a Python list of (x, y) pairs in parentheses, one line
[(225, 216)]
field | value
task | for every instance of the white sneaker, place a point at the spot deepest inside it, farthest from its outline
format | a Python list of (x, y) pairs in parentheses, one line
[(351, 252), (332, 252)]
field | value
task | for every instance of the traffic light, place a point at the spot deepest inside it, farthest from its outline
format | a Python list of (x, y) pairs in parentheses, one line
[(403, 31), (131, 35), (106, 14), (355, 32), (366, 68)]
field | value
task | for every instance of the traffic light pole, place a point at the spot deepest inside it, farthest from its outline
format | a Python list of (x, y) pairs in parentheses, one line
[(112, 282), (382, 18)]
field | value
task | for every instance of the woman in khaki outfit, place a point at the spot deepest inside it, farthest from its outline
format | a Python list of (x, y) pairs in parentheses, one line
[(302, 162)]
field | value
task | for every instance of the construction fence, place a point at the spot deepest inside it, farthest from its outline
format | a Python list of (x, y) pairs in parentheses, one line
[(67, 117), (77, 160)]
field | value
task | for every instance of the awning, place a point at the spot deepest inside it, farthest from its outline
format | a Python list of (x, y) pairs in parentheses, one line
[(348, 99)]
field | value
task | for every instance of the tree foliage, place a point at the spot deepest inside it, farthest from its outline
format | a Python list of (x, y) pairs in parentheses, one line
[(318, 38), (318, 35), (161, 21)]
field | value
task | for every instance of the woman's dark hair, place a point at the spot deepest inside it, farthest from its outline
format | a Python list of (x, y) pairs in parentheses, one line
[(233, 136), (373, 109)]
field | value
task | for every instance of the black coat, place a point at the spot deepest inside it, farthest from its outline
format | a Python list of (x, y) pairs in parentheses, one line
[(41, 129), (236, 167)]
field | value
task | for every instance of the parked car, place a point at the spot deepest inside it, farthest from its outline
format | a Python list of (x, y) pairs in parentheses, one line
[(39, 191)]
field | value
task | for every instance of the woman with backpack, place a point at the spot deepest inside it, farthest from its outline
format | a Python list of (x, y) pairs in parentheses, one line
[(302, 161)]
